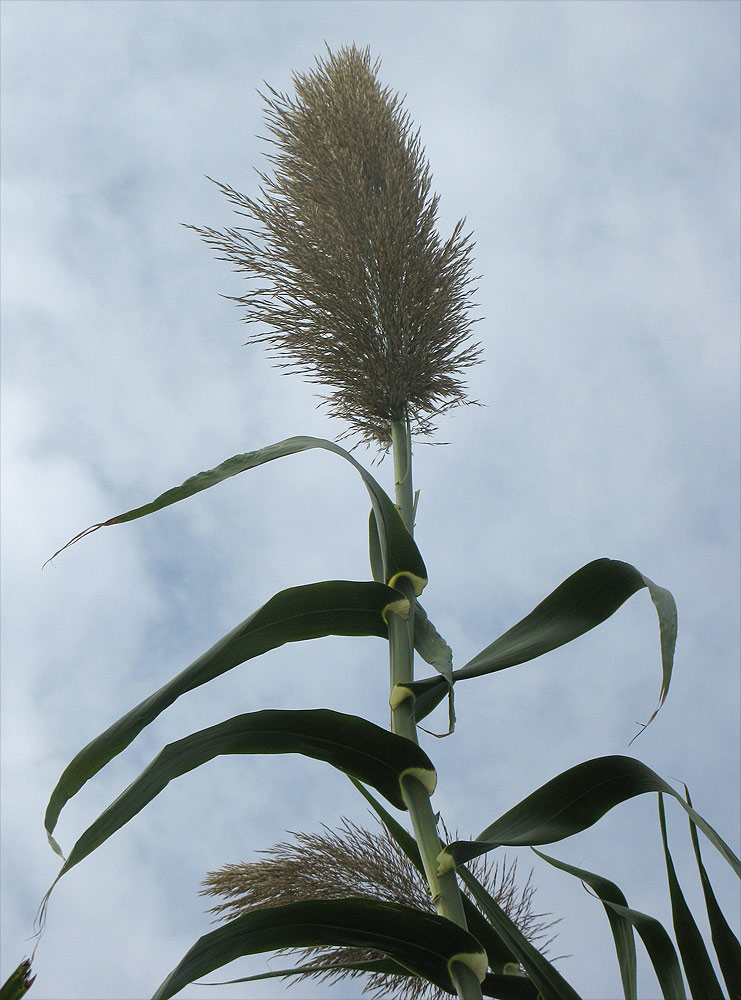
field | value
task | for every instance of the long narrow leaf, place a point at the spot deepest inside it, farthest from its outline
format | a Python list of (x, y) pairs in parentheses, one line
[(725, 942), (660, 950), (698, 968), (351, 744), (583, 601), (621, 927), (500, 987), (653, 934), (571, 802), (336, 607), (399, 553), (547, 979), (425, 944), (500, 955)]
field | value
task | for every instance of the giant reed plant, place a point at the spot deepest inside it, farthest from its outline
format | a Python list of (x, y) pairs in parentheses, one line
[(354, 289)]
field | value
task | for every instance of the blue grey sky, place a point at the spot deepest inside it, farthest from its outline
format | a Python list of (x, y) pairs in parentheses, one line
[(593, 149)]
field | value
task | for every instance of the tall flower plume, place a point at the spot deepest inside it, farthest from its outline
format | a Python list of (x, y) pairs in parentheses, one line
[(350, 276)]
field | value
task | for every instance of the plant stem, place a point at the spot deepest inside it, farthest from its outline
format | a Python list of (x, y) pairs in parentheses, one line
[(401, 444), (465, 980), (444, 889)]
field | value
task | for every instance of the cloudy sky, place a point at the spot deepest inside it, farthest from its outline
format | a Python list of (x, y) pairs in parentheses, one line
[(593, 148)]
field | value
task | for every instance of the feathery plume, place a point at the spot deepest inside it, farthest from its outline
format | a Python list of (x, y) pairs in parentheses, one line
[(357, 290), (353, 861)]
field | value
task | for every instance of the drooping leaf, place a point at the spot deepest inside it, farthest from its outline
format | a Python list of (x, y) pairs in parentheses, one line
[(653, 934), (425, 944), (586, 599), (431, 646), (583, 601), (499, 953), (698, 968), (660, 950), (571, 802), (351, 744), (621, 927), (434, 650), (336, 607), (548, 981), (725, 942), (400, 555)]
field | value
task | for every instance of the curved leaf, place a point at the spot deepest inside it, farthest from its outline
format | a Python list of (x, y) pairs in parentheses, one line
[(622, 929), (660, 950), (399, 553), (698, 968), (500, 987), (351, 744), (571, 802), (336, 607), (583, 601), (431, 646), (423, 943), (375, 550), (725, 942)]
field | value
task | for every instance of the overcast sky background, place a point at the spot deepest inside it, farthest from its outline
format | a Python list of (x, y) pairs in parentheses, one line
[(593, 148)]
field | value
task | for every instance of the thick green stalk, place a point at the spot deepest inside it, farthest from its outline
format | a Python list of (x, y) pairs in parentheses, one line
[(444, 889)]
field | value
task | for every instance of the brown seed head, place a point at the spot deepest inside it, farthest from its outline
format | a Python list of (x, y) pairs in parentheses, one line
[(348, 273), (353, 861)]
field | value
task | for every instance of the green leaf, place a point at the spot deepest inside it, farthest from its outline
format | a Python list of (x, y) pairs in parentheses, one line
[(549, 982), (502, 987), (18, 983), (376, 553), (571, 802), (400, 556), (434, 650), (499, 953), (425, 944), (351, 744), (621, 927), (698, 968), (725, 942), (509, 986), (431, 646), (660, 950), (336, 607), (580, 603), (428, 693)]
